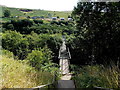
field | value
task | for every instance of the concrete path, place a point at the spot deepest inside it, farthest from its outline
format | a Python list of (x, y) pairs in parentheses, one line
[(66, 84)]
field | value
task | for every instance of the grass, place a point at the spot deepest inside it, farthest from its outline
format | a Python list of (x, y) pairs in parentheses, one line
[(14, 11), (97, 76), (17, 74), (36, 12)]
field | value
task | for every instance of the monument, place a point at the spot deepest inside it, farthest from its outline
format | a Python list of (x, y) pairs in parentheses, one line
[(64, 56)]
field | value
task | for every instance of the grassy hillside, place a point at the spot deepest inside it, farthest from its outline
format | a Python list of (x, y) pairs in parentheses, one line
[(14, 11), (36, 12), (17, 74)]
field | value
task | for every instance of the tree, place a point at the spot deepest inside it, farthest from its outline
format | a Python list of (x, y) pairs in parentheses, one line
[(58, 17), (98, 30), (21, 25), (7, 13), (38, 21), (49, 15), (28, 17), (14, 42), (69, 16)]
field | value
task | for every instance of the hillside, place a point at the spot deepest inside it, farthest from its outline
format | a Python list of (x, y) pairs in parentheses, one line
[(35, 12), (18, 74)]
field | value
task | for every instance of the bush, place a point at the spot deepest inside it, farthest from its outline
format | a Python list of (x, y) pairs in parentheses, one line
[(7, 53), (16, 43), (38, 21), (21, 22), (10, 26), (63, 22), (54, 22), (20, 25), (39, 58)]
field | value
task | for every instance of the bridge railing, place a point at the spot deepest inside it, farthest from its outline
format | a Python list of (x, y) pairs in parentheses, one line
[(49, 85)]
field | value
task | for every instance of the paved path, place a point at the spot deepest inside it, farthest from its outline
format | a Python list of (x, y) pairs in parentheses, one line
[(66, 84), (65, 81)]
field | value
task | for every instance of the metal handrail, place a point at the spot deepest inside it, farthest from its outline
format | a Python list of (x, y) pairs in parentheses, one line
[(103, 88), (41, 86)]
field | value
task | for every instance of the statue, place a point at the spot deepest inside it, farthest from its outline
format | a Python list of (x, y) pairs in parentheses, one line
[(64, 56)]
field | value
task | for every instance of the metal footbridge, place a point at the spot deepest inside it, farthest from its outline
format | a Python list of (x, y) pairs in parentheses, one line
[(64, 62)]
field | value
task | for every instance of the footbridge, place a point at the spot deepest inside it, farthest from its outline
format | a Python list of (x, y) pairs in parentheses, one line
[(64, 62)]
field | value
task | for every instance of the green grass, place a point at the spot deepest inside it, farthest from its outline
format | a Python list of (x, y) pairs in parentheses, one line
[(36, 12), (14, 11), (18, 74), (97, 76)]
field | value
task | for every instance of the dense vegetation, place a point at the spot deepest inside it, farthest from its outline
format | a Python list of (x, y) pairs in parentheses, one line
[(26, 26), (18, 74), (25, 36), (34, 43), (97, 44), (98, 29), (93, 39), (96, 76)]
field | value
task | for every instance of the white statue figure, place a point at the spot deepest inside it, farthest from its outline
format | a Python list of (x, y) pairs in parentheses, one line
[(64, 58)]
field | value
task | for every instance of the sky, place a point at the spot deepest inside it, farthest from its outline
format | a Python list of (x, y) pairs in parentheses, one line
[(54, 5)]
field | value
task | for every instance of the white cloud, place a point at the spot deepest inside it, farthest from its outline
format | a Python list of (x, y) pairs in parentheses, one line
[(57, 5)]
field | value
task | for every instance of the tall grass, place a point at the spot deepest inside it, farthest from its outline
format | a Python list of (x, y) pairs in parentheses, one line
[(97, 76), (17, 74)]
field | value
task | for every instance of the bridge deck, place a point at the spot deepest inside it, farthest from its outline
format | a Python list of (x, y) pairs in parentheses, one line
[(66, 84)]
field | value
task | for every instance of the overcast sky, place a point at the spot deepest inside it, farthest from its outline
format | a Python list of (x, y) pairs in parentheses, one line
[(54, 5)]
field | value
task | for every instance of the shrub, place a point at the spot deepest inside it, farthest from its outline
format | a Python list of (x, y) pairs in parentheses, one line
[(21, 22), (14, 42), (54, 22), (39, 58), (63, 22), (38, 21), (10, 26), (7, 53), (97, 76)]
